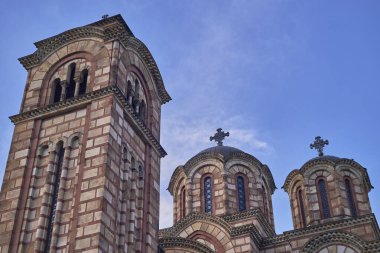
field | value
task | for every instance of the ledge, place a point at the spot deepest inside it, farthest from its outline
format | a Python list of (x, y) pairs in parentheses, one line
[(81, 101)]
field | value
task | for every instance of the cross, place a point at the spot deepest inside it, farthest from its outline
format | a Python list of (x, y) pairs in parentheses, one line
[(319, 144), (219, 136), (105, 16)]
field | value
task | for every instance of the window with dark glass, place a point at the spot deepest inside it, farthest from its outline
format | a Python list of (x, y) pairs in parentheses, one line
[(57, 90), (70, 83), (241, 193), (83, 82), (324, 199), (208, 194), (54, 197), (301, 208), (347, 184)]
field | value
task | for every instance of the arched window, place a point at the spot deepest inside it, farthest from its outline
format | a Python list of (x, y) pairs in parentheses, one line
[(125, 154), (141, 172), (83, 83), (183, 202), (207, 194), (57, 89), (142, 111), (324, 200), (54, 198), (265, 201), (301, 206), (133, 163), (70, 83), (129, 92), (350, 197), (241, 193), (137, 89)]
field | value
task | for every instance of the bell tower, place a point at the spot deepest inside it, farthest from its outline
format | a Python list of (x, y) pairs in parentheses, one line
[(84, 164)]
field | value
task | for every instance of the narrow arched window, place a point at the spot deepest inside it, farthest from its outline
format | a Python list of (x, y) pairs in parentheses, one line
[(350, 197), (183, 202), (241, 193), (208, 194), (83, 82), (324, 199), (137, 89), (57, 89), (70, 83), (301, 206), (265, 201), (133, 163), (54, 198), (125, 154), (142, 111), (141, 172)]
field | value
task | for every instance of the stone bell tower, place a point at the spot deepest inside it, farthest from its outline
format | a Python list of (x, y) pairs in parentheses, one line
[(84, 164)]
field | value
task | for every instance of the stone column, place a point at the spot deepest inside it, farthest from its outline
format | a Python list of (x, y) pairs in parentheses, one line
[(77, 86), (63, 92)]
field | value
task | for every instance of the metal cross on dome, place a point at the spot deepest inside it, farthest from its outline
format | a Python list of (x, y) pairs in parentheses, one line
[(219, 136), (319, 144)]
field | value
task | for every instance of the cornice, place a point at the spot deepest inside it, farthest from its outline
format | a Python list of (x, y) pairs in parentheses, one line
[(253, 213), (177, 172), (74, 103), (317, 229), (180, 242), (191, 218), (333, 237), (324, 230), (109, 29)]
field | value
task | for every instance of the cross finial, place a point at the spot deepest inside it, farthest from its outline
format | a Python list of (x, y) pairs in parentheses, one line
[(319, 144), (219, 136), (105, 16)]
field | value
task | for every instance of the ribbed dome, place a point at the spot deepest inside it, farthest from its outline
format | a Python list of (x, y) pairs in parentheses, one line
[(225, 151)]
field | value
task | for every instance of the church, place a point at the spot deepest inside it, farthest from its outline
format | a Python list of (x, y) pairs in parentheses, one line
[(83, 172)]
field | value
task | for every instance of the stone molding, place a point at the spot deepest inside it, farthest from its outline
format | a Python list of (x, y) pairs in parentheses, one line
[(109, 29), (329, 161), (333, 237), (77, 102), (180, 242), (308, 231), (176, 174), (224, 222), (253, 213)]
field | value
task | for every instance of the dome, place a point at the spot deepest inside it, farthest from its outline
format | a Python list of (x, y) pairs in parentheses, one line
[(225, 151)]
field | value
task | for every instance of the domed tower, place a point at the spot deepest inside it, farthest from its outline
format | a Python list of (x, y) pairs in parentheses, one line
[(223, 187), (327, 188)]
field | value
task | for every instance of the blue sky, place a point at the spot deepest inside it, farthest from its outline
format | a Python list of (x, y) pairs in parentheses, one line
[(275, 74)]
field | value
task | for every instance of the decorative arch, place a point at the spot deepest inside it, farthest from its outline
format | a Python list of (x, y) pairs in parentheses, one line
[(89, 49), (218, 247), (333, 238)]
